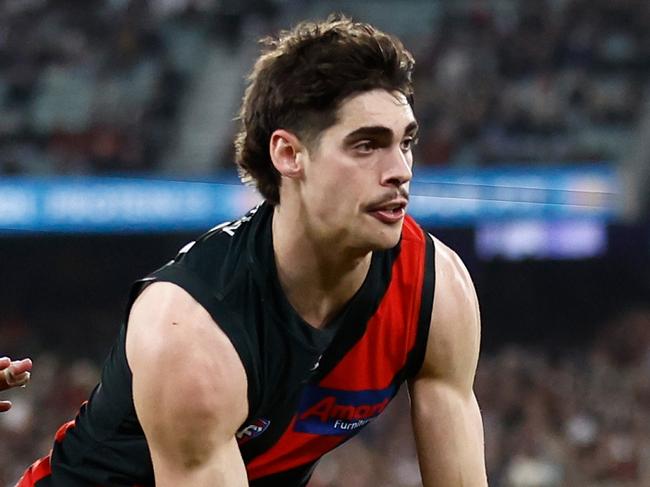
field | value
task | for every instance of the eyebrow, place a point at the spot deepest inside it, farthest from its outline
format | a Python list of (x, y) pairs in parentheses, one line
[(378, 132)]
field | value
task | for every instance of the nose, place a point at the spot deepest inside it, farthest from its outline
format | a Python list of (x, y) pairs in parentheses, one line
[(398, 168)]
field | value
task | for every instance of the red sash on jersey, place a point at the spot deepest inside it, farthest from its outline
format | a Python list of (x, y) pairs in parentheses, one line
[(363, 382)]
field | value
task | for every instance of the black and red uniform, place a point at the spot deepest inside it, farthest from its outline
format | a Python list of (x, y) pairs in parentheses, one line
[(309, 390)]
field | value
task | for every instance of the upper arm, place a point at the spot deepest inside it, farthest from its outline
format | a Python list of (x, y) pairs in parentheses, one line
[(446, 417), (455, 332), (189, 388)]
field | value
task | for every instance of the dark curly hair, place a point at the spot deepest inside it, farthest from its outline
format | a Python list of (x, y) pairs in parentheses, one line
[(300, 81)]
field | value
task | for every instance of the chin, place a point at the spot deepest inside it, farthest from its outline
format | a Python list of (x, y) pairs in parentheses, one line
[(371, 235), (387, 239)]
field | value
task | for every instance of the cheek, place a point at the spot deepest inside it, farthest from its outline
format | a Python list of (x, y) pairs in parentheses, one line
[(350, 190), (336, 201), (342, 182), (336, 186)]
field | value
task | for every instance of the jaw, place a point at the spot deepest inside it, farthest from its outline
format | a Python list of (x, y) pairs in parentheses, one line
[(333, 230), (353, 239), (381, 234)]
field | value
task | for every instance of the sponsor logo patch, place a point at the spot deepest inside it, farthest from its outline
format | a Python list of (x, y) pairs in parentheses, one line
[(252, 430), (325, 411)]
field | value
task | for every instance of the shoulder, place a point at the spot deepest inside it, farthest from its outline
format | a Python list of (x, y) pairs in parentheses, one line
[(454, 334), (223, 237), (209, 266), (455, 291), (176, 350), (218, 248)]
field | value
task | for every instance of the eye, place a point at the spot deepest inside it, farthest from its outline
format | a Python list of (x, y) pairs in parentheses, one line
[(365, 147), (408, 143)]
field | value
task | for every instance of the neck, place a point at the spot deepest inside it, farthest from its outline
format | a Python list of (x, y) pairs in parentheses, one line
[(317, 275)]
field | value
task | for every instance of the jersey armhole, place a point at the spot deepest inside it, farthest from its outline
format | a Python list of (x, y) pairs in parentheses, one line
[(192, 283), (417, 354)]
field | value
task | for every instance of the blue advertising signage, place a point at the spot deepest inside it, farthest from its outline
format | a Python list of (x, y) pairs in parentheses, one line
[(446, 197)]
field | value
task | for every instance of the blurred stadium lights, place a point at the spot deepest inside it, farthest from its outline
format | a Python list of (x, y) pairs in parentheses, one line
[(517, 240)]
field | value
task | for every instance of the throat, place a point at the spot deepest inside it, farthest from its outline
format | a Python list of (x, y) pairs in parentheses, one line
[(317, 275), (319, 295)]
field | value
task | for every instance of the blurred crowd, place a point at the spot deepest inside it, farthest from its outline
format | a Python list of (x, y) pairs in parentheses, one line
[(534, 81), (576, 417), (91, 86), (86, 86)]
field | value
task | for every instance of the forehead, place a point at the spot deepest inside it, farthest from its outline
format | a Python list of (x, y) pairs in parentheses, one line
[(375, 108)]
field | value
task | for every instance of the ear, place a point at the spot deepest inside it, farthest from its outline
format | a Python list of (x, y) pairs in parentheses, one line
[(287, 152)]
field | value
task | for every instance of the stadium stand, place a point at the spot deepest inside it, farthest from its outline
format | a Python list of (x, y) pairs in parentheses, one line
[(130, 86)]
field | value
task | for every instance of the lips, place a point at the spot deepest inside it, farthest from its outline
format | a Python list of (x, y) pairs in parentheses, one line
[(389, 216), (390, 213)]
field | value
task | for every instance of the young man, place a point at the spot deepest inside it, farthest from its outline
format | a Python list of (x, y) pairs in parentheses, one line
[(273, 339), (13, 373)]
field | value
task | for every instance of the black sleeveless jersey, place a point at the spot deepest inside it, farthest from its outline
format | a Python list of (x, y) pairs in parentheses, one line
[(309, 389)]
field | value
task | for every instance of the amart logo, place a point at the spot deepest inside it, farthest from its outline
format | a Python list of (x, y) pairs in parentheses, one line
[(326, 411)]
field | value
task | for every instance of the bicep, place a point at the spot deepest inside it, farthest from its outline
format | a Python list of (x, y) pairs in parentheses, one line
[(446, 417), (448, 433), (189, 388)]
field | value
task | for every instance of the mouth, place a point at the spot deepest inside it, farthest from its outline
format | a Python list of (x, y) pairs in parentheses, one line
[(389, 213)]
